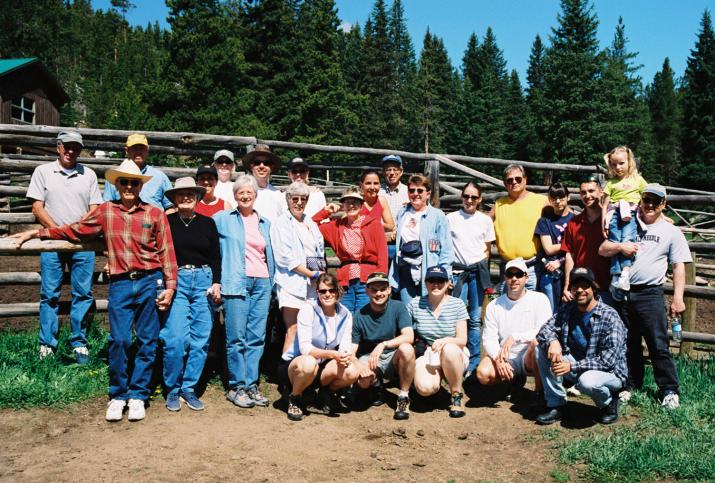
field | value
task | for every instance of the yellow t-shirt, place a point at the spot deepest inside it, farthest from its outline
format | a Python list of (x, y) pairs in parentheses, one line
[(514, 224), (627, 189)]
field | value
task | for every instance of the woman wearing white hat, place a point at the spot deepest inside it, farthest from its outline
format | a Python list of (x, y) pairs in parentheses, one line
[(185, 335)]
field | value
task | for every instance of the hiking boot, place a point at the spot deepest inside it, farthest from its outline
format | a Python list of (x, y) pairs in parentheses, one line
[(240, 398), (456, 410), (671, 401), (81, 355), (551, 415), (172, 401), (46, 351), (136, 410), (115, 409), (258, 398), (377, 394), (402, 410), (189, 397), (326, 401), (516, 387), (295, 412), (609, 414)]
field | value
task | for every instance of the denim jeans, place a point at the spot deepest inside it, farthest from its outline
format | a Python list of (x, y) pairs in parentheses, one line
[(600, 385), (621, 231), (407, 288), (355, 296), (245, 318), (472, 294), (391, 252), (185, 335), (81, 268), (644, 316), (549, 286), (132, 303)]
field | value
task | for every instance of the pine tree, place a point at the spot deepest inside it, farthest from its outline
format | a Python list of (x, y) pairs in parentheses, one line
[(698, 128), (516, 120), (535, 70), (405, 72), (665, 119), (535, 131)]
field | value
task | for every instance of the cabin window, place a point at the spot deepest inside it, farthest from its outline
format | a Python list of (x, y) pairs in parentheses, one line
[(23, 110)]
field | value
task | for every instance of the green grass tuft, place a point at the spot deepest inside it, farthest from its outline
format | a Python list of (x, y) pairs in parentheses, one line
[(26, 381), (662, 444)]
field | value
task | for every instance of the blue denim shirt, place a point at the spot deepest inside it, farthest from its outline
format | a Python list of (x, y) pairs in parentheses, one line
[(152, 192), (434, 225), (232, 239)]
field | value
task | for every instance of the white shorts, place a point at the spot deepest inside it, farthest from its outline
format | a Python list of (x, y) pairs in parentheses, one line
[(287, 299)]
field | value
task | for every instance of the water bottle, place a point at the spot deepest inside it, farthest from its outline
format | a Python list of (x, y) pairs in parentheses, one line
[(677, 329), (159, 287), (556, 273)]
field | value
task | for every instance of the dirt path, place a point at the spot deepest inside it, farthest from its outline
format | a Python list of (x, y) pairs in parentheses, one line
[(494, 442)]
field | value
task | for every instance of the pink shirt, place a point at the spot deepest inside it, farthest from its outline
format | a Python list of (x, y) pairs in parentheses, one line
[(255, 248)]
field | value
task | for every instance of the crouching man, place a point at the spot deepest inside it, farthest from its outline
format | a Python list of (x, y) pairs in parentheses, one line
[(584, 343)]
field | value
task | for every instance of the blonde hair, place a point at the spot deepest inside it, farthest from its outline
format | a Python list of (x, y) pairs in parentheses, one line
[(632, 169)]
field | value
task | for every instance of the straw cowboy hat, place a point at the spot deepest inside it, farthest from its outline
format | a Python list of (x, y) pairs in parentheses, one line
[(187, 183), (261, 150), (128, 169)]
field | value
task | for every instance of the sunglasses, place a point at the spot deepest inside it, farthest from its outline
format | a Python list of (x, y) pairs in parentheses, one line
[(298, 199), (129, 182), (515, 273), (258, 162), (470, 198), (436, 281), (299, 171), (223, 161), (419, 191), (514, 180), (323, 291), (652, 200)]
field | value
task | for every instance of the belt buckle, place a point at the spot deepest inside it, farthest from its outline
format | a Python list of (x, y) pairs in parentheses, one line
[(135, 275)]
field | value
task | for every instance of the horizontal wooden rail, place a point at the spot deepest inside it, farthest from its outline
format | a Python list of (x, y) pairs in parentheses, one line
[(33, 308), (33, 247)]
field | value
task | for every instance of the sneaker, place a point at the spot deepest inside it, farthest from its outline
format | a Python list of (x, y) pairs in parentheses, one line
[(136, 410), (609, 414), (456, 410), (81, 355), (189, 397), (402, 410), (295, 412), (240, 398), (172, 401), (572, 391), (671, 401), (115, 409), (550, 416), (625, 396), (258, 398), (46, 351)]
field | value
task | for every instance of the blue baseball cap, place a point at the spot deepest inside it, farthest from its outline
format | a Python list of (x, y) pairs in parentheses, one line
[(392, 158), (436, 273)]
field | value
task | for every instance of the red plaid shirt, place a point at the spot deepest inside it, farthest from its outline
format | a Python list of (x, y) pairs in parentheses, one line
[(138, 238)]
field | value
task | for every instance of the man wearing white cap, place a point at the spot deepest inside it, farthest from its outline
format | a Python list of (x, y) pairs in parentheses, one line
[(63, 192), (511, 323), (142, 279), (137, 150), (225, 165)]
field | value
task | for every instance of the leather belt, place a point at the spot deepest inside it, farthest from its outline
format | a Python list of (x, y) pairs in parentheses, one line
[(131, 275), (192, 267)]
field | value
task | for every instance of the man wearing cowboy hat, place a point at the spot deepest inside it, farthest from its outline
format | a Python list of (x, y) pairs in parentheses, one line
[(141, 261), (261, 163), (137, 150), (63, 192)]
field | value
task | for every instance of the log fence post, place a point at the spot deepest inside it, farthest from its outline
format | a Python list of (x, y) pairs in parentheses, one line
[(432, 172)]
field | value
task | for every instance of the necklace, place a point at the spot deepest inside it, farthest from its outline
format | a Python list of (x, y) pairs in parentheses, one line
[(187, 223)]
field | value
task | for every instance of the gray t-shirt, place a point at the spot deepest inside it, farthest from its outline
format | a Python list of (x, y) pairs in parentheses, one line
[(658, 244), (67, 196)]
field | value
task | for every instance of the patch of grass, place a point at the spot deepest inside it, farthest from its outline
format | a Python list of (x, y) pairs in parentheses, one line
[(26, 381), (662, 444), (560, 476)]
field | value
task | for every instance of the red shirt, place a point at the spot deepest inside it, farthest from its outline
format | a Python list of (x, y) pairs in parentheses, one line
[(209, 210), (582, 240), (138, 238)]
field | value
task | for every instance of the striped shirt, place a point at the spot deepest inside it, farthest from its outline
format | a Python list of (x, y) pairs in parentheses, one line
[(138, 238), (427, 327), (396, 198)]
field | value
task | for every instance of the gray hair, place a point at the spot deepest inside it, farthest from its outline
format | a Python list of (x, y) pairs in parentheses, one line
[(244, 180), (514, 167), (298, 188)]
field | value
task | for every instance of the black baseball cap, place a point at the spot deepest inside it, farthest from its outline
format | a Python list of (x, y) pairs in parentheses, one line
[(436, 273), (583, 273), (206, 169), (297, 162)]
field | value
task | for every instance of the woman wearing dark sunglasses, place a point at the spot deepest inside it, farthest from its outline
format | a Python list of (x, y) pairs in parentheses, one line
[(423, 240), (321, 355)]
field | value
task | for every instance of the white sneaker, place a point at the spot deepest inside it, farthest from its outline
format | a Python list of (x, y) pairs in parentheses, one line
[(45, 351), (624, 396), (115, 409), (136, 410), (671, 401), (572, 391)]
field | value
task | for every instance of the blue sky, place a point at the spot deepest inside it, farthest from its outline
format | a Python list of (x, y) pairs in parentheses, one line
[(656, 28)]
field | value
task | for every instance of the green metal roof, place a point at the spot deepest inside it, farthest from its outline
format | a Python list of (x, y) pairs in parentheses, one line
[(8, 65)]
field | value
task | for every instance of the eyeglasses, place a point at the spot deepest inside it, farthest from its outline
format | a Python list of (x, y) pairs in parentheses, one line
[(129, 182), (514, 180), (436, 281), (298, 199), (470, 198), (258, 162), (419, 191), (323, 291), (391, 170), (514, 273), (652, 200)]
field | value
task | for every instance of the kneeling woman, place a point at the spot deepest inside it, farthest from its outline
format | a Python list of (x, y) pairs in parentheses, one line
[(440, 323), (321, 354)]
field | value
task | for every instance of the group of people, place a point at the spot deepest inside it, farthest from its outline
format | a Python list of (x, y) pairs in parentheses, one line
[(405, 303)]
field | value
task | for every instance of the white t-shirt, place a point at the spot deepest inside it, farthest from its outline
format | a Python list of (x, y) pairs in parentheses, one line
[(658, 244), (410, 230), (268, 203), (520, 319), (316, 202), (224, 191), (470, 234)]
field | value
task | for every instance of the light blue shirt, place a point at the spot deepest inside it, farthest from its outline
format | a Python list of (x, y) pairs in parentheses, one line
[(152, 192), (232, 240)]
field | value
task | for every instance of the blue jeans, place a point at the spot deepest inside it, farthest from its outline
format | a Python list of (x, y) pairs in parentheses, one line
[(185, 335), (391, 253), (355, 296), (132, 303), (549, 286), (621, 231), (472, 294), (407, 288), (599, 385), (81, 268), (245, 317)]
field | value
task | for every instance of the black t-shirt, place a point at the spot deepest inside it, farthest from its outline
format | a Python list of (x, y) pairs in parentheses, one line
[(370, 328), (197, 243)]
